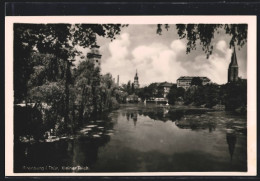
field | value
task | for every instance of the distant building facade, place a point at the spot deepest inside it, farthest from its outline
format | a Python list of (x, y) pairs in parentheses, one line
[(233, 68), (133, 98), (185, 81), (94, 55), (136, 81), (164, 88)]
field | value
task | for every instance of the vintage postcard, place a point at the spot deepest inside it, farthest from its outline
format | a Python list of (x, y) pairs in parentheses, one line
[(130, 95)]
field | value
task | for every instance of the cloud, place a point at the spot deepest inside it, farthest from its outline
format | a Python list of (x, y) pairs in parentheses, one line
[(158, 62), (222, 46), (155, 62), (163, 58), (178, 46), (118, 48), (215, 67), (146, 54), (118, 62)]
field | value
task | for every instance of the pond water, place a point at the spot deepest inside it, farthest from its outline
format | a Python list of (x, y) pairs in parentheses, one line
[(144, 138)]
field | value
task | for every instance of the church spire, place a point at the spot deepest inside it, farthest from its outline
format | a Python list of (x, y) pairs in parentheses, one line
[(233, 68), (136, 82), (233, 62)]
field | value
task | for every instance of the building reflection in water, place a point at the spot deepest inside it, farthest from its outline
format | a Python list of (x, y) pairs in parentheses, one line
[(231, 141), (133, 116)]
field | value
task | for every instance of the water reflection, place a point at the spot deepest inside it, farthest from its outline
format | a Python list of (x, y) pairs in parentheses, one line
[(231, 141), (146, 138), (162, 114), (166, 113), (193, 119), (80, 150), (86, 153), (132, 116)]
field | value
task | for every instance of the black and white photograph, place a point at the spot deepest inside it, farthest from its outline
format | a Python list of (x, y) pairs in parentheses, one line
[(138, 96)]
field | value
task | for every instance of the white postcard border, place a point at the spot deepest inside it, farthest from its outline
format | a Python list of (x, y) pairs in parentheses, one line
[(251, 82)]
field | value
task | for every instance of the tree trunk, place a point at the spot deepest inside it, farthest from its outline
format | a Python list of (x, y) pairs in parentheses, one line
[(94, 101), (67, 81)]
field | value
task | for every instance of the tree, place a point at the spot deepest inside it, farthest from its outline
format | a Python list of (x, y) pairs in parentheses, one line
[(84, 80), (212, 96), (196, 81), (175, 93), (49, 99), (204, 33), (129, 87), (144, 93), (207, 95), (172, 96), (190, 95), (153, 90), (133, 88), (180, 92), (59, 40), (199, 95), (27, 122), (235, 95)]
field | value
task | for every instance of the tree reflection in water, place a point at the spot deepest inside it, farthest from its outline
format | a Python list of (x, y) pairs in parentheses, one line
[(85, 153), (231, 141), (193, 119), (81, 150), (133, 148)]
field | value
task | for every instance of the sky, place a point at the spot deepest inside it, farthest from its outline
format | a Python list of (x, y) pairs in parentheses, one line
[(159, 58)]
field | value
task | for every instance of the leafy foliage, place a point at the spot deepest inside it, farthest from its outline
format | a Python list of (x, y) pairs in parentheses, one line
[(43, 74), (32, 124), (149, 92), (55, 39), (196, 81), (175, 93), (235, 95), (204, 33)]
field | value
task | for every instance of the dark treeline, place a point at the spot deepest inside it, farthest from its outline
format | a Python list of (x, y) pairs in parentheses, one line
[(56, 95), (232, 95)]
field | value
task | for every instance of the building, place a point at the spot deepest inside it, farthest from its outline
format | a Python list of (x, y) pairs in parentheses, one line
[(133, 98), (233, 68), (94, 55), (164, 88), (185, 81), (136, 82)]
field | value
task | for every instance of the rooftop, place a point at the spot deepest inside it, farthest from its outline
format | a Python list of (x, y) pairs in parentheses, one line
[(165, 84), (191, 77)]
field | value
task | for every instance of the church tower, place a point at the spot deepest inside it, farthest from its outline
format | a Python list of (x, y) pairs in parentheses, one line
[(136, 83), (94, 55), (233, 68)]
